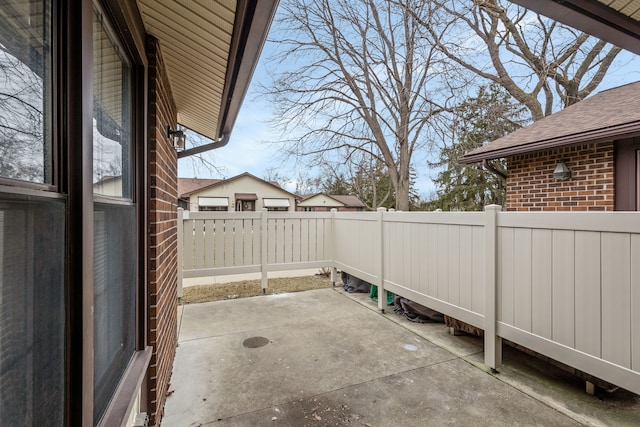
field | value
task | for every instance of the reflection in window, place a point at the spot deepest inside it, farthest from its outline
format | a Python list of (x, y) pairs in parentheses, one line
[(25, 82), (111, 112)]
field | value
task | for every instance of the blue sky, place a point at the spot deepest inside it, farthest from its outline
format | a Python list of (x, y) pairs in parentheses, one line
[(248, 150)]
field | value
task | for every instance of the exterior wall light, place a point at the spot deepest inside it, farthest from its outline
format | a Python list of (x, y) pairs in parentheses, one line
[(562, 172), (178, 138)]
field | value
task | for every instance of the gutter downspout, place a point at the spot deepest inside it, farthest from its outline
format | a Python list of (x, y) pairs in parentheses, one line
[(224, 140), (488, 166)]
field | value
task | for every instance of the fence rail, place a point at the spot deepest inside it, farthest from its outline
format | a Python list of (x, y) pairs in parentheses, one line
[(566, 285)]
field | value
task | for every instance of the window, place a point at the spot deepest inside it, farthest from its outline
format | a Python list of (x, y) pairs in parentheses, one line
[(25, 88), (45, 244), (308, 209), (213, 208), (32, 224), (115, 256)]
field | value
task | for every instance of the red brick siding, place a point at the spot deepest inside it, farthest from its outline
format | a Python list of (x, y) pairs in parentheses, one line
[(531, 186), (163, 199)]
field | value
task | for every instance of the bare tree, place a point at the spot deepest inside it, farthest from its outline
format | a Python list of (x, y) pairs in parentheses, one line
[(540, 62), (22, 127), (360, 78), (201, 163)]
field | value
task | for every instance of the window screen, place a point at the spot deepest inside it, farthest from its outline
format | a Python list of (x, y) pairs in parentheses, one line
[(114, 298), (32, 311)]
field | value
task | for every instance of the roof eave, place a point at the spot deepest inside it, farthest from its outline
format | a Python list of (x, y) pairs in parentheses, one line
[(591, 17), (218, 103), (253, 20), (627, 130)]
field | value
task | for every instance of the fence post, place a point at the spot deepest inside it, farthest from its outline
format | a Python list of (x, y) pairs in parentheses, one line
[(180, 247), (492, 342), (382, 293), (263, 248), (332, 245)]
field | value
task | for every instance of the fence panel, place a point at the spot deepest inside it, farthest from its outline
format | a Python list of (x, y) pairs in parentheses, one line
[(635, 303), (568, 288), (437, 259), (231, 242), (354, 246)]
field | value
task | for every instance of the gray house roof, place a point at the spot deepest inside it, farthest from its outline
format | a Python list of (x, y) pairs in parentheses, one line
[(348, 201), (610, 114)]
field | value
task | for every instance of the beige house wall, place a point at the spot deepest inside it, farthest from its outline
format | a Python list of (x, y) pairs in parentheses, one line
[(243, 184)]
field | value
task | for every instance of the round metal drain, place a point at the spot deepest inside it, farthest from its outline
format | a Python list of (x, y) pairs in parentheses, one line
[(255, 342)]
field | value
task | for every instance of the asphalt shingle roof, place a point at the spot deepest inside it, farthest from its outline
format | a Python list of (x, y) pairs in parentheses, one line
[(607, 115)]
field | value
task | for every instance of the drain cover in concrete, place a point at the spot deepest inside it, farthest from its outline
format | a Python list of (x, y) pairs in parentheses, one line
[(255, 342)]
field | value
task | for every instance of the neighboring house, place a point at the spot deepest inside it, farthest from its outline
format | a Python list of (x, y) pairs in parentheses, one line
[(583, 158), (189, 185), (88, 273), (243, 192), (325, 202)]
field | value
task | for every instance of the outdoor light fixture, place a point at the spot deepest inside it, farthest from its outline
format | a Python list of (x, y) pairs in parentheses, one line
[(178, 138), (562, 172)]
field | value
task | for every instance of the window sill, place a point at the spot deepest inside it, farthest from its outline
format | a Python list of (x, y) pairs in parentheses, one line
[(121, 405)]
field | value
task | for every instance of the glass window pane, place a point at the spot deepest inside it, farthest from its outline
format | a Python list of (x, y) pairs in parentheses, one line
[(111, 114), (25, 85), (115, 229), (32, 311)]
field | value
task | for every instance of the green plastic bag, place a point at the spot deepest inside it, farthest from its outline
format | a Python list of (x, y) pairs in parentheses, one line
[(374, 295)]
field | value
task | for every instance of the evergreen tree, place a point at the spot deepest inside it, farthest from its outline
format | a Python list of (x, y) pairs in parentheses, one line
[(478, 121)]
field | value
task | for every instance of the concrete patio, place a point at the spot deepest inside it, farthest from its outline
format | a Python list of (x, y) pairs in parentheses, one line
[(325, 358)]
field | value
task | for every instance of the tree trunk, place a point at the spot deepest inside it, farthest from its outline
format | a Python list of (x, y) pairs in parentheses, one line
[(402, 195)]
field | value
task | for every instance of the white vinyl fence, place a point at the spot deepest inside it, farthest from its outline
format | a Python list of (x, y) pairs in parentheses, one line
[(220, 243), (566, 285)]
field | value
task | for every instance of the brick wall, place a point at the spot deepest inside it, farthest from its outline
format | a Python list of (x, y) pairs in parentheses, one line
[(163, 199), (531, 186)]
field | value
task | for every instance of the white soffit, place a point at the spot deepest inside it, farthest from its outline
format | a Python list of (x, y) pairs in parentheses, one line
[(630, 8), (195, 39)]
